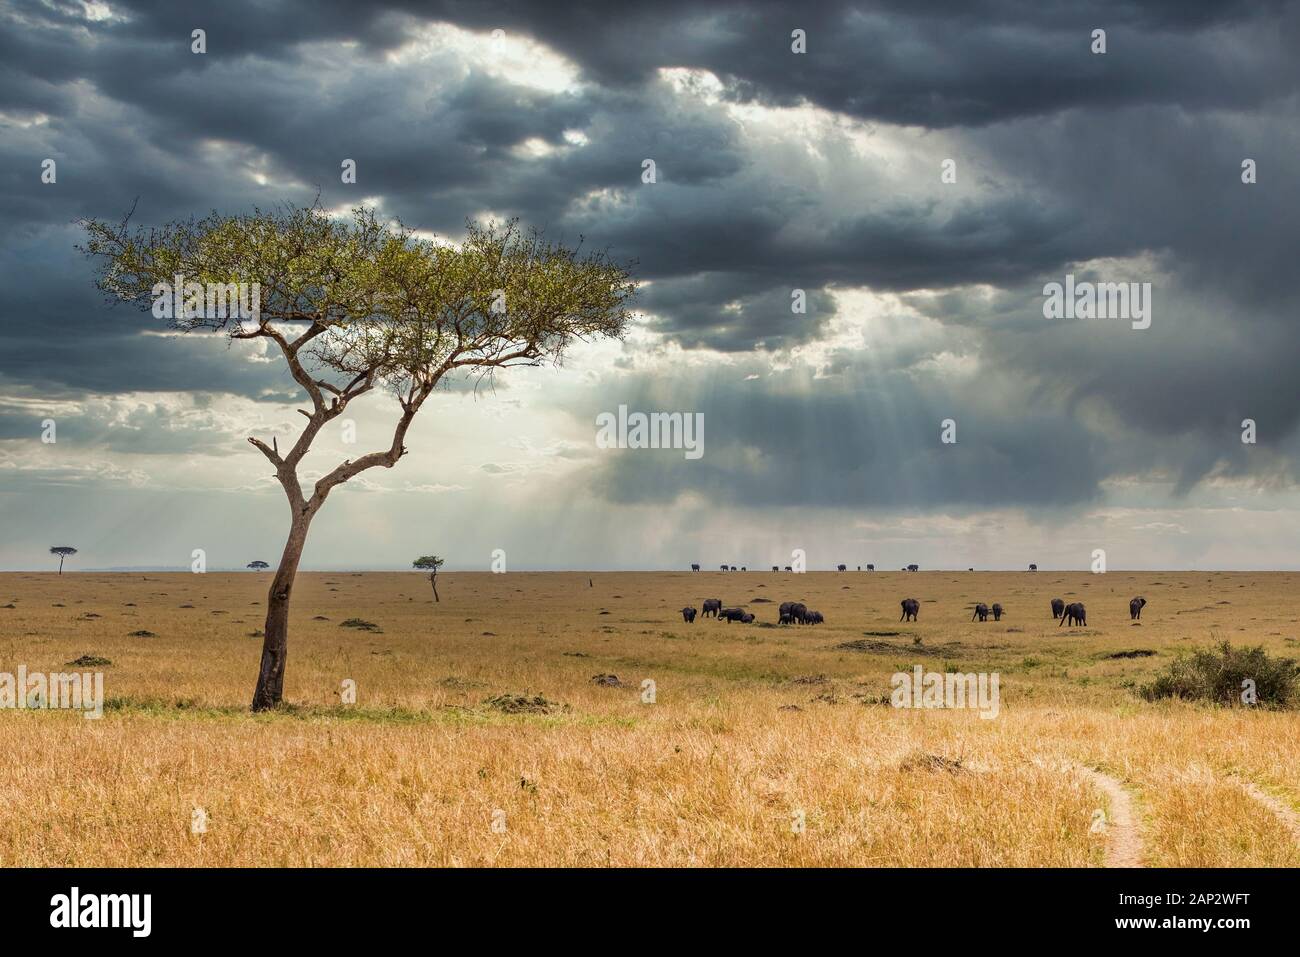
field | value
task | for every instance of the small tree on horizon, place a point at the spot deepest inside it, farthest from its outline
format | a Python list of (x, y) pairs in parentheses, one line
[(63, 551), (431, 564), (257, 565), (354, 306)]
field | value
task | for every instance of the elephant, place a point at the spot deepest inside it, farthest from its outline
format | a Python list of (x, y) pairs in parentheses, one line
[(776, 568), (841, 568), (910, 607), (722, 568), (871, 568), (1135, 607), (1076, 614), (913, 568), (1058, 607), (743, 568), (997, 611), (1033, 568), (799, 613), (788, 568), (981, 612), (695, 568), (747, 618), (815, 618), (688, 614), (713, 605), (733, 614)]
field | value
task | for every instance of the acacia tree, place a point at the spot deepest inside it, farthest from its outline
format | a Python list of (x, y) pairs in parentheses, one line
[(354, 305), (257, 566), (431, 564), (63, 551)]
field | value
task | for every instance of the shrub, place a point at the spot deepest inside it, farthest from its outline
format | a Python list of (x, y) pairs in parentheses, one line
[(1217, 675)]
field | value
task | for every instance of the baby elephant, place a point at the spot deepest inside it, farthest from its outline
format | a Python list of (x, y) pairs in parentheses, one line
[(814, 618), (1135, 607), (1075, 614), (910, 607), (735, 614), (688, 614), (981, 612), (997, 612)]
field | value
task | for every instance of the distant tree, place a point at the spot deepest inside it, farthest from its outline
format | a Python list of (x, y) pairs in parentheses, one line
[(63, 551), (431, 564), (354, 306), (258, 566)]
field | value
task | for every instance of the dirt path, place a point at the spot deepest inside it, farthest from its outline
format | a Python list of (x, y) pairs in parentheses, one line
[(1286, 814), (1123, 843)]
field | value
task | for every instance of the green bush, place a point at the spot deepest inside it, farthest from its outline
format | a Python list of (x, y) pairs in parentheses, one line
[(1217, 675)]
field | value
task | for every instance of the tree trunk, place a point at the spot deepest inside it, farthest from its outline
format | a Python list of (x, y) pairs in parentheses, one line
[(60, 564), (270, 679), (433, 580)]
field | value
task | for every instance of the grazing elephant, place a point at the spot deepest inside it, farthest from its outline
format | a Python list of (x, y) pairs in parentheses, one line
[(695, 568), (913, 568), (997, 612), (799, 613), (1135, 607), (871, 568), (688, 614), (815, 618), (743, 568), (747, 618), (713, 605), (910, 607), (841, 568), (981, 612), (776, 568), (788, 568), (733, 614), (1058, 607), (1075, 613)]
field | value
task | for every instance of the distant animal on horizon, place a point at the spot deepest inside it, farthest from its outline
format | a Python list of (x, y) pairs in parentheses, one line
[(1033, 568), (732, 568), (997, 611), (1075, 613), (981, 612), (742, 568), (841, 568), (776, 568), (688, 614), (1135, 607), (695, 568), (871, 568), (910, 607), (913, 568), (1058, 607), (788, 568), (712, 605), (722, 568)]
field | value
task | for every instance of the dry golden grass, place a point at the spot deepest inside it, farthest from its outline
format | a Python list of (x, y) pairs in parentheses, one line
[(715, 772)]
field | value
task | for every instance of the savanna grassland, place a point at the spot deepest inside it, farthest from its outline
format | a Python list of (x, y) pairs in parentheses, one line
[(482, 708)]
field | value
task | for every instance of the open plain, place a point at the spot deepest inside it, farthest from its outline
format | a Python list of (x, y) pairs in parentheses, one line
[(479, 737)]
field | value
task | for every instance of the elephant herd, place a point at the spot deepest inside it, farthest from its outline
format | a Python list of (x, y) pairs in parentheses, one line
[(797, 613), (791, 613)]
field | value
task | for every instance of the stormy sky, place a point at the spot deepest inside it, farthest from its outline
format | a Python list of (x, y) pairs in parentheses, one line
[(776, 171)]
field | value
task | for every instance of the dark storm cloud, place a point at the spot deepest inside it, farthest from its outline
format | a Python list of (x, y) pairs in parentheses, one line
[(1084, 157)]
